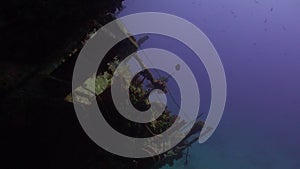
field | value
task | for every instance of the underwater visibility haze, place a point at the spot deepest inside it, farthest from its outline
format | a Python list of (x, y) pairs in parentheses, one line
[(258, 42)]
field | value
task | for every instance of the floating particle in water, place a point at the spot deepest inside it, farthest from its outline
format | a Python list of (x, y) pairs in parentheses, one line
[(223, 30), (284, 53)]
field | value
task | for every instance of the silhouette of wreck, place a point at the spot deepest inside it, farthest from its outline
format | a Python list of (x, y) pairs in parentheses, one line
[(40, 123), (139, 93)]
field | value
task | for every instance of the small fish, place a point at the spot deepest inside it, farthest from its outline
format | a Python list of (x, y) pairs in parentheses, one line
[(177, 67), (284, 28), (233, 13), (142, 40), (266, 20), (271, 9)]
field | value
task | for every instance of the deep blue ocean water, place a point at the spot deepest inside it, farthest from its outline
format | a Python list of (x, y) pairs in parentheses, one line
[(259, 44)]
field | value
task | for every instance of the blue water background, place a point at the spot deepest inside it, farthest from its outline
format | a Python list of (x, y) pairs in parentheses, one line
[(259, 44)]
